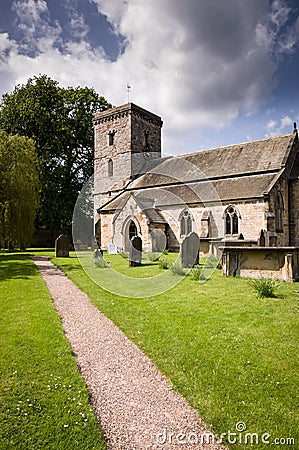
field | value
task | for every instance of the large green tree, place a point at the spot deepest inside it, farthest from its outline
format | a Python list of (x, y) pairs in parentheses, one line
[(19, 189), (60, 122)]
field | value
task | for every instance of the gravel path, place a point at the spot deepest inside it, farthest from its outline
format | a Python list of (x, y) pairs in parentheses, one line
[(134, 402)]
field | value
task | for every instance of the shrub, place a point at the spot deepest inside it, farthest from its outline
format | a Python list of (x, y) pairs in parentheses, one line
[(177, 269), (163, 263), (265, 287), (197, 273), (212, 261)]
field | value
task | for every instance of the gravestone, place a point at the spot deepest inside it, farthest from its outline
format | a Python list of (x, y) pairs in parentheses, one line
[(112, 249), (97, 255), (62, 246), (159, 241), (79, 245), (135, 251), (190, 250)]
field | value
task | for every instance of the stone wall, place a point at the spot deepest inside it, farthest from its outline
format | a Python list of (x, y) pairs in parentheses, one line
[(294, 225), (106, 231), (252, 221)]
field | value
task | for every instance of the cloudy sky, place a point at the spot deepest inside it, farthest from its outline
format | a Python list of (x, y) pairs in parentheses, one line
[(217, 71)]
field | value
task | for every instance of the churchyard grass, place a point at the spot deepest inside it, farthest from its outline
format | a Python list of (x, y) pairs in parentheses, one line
[(44, 401), (232, 355)]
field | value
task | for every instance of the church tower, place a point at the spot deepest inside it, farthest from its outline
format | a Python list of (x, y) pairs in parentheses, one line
[(125, 138)]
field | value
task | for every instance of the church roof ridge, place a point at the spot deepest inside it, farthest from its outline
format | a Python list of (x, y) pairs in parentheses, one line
[(238, 144)]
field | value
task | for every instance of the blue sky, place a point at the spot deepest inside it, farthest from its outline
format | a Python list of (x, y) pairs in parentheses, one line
[(218, 72)]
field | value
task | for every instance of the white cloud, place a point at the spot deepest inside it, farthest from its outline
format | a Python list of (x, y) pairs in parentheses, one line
[(286, 121), (197, 63), (271, 125), (284, 126), (32, 19)]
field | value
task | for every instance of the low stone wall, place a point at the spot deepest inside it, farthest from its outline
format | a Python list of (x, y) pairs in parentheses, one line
[(269, 262)]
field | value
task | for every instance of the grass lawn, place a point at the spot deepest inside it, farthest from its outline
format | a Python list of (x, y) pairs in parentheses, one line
[(44, 401), (233, 356)]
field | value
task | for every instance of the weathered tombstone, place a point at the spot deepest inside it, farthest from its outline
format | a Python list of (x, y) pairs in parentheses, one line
[(97, 255), (190, 250), (159, 241), (79, 245), (112, 249), (135, 251), (62, 246)]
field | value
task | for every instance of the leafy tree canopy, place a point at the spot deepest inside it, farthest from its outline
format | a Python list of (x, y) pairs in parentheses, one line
[(60, 122), (19, 189)]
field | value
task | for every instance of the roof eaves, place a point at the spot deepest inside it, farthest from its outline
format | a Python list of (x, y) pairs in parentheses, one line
[(289, 149), (274, 181)]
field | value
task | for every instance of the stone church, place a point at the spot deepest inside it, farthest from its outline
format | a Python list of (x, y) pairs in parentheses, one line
[(242, 200)]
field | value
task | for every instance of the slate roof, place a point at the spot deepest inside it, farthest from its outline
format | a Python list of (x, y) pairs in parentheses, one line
[(250, 157), (154, 215), (240, 171)]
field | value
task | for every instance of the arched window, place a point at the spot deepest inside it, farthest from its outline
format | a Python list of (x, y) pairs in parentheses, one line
[(185, 223), (279, 213), (231, 217), (110, 168)]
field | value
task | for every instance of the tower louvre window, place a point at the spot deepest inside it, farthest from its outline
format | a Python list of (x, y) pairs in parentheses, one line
[(146, 140), (110, 168), (111, 137)]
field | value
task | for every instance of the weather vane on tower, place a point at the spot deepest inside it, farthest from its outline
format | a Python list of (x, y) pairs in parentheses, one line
[(129, 87)]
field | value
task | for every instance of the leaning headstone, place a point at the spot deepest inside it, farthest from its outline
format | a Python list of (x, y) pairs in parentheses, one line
[(135, 251), (62, 246), (112, 249), (190, 250)]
